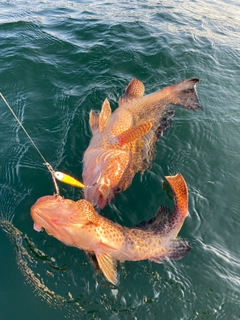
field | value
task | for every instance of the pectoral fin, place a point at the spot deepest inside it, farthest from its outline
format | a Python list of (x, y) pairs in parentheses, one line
[(108, 266), (93, 121), (134, 90), (105, 115), (134, 133)]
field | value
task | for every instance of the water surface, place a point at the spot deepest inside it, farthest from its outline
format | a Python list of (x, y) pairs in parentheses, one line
[(58, 61)]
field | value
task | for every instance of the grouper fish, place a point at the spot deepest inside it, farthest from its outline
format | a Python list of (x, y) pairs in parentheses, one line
[(78, 224), (122, 142)]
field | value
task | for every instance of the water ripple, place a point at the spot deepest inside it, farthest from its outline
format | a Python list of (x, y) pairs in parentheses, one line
[(61, 59)]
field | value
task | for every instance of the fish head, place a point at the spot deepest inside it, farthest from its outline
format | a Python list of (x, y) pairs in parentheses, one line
[(103, 172), (62, 218)]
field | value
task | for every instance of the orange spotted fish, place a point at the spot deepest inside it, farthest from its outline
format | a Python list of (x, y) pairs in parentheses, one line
[(123, 141), (78, 224)]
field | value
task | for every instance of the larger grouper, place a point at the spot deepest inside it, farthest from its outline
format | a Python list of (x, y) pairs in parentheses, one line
[(123, 141)]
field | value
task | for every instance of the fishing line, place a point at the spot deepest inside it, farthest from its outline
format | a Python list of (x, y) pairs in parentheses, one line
[(21, 125), (55, 174), (49, 167)]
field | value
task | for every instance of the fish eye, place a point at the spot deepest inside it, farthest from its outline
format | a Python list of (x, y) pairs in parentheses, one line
[(118, 190), (58, 175)]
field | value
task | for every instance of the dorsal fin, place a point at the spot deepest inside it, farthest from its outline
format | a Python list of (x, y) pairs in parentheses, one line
[(134, 133), (105, 114), (159, 222), (108, 266), (134, 90), (93, 121)]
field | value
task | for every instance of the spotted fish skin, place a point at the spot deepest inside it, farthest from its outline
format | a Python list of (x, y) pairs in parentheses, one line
[(78, 224), (123, 141)]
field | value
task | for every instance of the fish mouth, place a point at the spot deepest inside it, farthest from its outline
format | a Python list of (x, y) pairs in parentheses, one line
[(37, 227), (99, 195), (102, 202), (40, 218), (38, 221), (41, 223)]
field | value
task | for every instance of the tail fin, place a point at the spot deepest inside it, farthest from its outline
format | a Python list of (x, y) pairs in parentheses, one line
[(180, 192), (178, 248), (184, 94), (166, 223)]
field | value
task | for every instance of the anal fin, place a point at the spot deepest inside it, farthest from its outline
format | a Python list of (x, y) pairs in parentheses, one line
[(108, 266)]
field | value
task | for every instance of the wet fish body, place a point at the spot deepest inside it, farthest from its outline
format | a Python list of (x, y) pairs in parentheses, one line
[(78, 224), (123, 141)]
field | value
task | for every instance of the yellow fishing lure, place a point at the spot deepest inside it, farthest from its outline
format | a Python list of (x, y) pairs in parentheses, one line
[(68, 179)]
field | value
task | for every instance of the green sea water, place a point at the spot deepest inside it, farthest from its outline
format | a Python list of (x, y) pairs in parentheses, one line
[(59, 60)]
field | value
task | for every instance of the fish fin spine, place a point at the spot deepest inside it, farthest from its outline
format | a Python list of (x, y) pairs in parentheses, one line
[(105, 115), (93, 121)]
